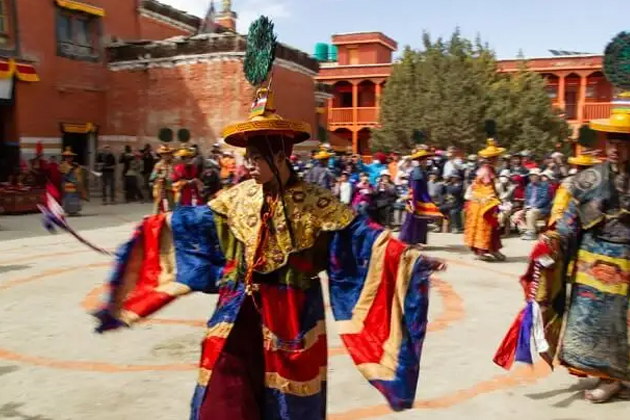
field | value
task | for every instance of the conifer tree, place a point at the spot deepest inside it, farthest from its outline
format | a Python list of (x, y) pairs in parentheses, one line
[(448, 88)]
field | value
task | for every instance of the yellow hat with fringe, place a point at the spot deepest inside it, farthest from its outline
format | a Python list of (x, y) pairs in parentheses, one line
[(585, 158), (263, 120), (491, 150)]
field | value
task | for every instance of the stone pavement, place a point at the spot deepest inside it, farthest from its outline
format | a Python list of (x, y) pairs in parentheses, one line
[(52, 367)]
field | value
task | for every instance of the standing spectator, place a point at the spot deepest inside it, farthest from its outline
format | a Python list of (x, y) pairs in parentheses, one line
[(436, 188), (135, 178), (453, 202), (471, 169), (363, 194), (384, 199), (198, 160), (107, 164), (320, 173), (344, 189), (450, 166), (228, 167), (402, 198), (125, 159), (393, 165), (148, 162), (375, 168)]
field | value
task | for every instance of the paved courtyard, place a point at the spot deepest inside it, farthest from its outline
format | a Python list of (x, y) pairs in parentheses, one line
[(53, 367)]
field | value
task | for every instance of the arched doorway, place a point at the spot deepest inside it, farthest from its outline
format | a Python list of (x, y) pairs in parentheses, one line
[(342, 95), (341, 140), (364, 136), (552, 86)]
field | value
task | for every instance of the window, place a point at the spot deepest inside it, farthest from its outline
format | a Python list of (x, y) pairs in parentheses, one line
[(77, 35), (353, 56), (3, 17)]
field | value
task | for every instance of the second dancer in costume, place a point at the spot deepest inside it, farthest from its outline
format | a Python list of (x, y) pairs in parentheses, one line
[(482, 230)]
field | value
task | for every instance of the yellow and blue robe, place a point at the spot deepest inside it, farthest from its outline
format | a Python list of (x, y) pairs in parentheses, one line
[(379, 291), (594, 231)]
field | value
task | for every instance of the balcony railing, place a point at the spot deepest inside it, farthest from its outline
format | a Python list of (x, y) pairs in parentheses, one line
[(341, 116), (595, 110), (365, 115)]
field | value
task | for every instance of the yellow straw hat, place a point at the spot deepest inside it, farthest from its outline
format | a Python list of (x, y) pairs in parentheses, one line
[(491, 150), (619, 120), (264, 120), (68, 152), (185, 152), (421, 153), (586, 158), (164, 150), (322, 155)]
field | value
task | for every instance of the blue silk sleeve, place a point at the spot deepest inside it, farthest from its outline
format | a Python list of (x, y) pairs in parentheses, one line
[(379, 292), (169, 255)]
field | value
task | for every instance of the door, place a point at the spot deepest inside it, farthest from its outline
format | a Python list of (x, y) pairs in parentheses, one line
[(571, 105), (78, 142)]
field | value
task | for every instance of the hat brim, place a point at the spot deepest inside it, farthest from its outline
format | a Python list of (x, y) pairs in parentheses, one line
[(237, 134), (580, 161), (494, 153), (605, 126), (423, 154), (66, 154)]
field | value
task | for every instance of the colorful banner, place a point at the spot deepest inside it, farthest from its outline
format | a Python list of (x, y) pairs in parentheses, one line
[(24, 72)]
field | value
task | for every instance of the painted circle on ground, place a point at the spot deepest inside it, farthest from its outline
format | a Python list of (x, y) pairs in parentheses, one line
[(453, 311)]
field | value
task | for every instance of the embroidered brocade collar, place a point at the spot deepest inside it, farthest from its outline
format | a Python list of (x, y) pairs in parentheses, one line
[(601, 194), (311, 210)]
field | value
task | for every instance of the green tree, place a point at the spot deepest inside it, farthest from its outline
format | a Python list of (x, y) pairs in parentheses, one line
[(448, 88), (525, 117)]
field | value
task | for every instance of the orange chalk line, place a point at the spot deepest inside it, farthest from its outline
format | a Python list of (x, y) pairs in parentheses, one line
[(453, 311)]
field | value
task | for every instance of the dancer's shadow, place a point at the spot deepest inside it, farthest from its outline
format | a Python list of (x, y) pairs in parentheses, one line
[(577, 394), (7, 268), (13, 411), (4, 370)]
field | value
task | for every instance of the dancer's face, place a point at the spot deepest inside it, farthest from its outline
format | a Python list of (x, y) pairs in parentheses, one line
[(258, 166), (618, 151)]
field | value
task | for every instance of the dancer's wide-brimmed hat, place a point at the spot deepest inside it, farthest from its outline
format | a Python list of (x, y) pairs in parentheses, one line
[(68, 152), (586, 158), (619, 120), (492, 150), (263, 120)]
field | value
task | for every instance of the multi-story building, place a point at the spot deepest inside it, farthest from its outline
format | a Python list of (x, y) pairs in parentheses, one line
[(360, 64), (94, 72), (53, 67)]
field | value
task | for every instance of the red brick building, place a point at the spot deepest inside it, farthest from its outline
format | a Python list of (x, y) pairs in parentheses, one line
[(88, 73), (360, 64), (198, 84), (62, 44)]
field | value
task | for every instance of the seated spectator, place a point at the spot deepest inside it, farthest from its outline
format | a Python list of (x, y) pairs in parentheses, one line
[(505, 189), (536, 206), (551, 179)]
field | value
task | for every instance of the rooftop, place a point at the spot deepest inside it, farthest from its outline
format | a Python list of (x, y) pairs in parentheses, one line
[(221, 41)]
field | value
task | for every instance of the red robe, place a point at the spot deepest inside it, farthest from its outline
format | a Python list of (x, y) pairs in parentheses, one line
[(185, 191)]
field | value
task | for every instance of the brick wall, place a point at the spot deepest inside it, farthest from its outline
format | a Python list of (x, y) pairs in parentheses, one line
[(202, 97), (71, 90)]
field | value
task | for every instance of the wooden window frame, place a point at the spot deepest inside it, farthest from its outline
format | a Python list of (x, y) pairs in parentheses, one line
[(71, 48), (4, 14)]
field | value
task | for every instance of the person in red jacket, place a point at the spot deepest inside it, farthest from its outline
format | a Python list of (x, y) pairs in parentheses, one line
[(186, 182)]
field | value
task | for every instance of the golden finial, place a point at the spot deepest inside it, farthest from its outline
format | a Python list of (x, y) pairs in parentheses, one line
[(227, 6)]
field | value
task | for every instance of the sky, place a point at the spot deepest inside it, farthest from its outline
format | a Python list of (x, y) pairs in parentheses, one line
[(533, 26)]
